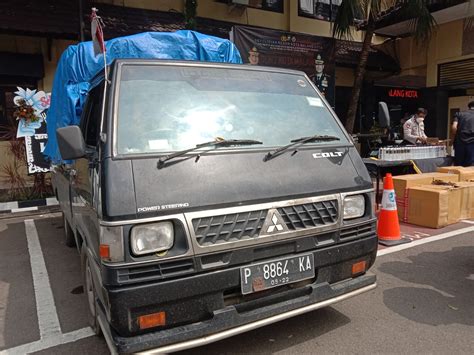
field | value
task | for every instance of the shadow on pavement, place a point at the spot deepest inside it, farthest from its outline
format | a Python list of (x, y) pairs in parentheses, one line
[(445, 287), (278, 336)]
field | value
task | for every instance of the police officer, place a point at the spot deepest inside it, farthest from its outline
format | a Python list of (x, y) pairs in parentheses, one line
[(414, 128), (463, 131), (320, 79)]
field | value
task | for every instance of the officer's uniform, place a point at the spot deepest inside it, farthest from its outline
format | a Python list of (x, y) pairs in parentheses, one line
[(413, 130), (464, 140), (321, 81)]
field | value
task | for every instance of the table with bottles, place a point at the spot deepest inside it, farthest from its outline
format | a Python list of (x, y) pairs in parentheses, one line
[(402, 160)]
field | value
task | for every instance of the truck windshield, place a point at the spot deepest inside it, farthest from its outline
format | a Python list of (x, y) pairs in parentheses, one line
[(164, 108)]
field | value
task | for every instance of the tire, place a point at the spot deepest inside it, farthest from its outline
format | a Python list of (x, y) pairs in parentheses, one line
[(68, 233), (89, 292)]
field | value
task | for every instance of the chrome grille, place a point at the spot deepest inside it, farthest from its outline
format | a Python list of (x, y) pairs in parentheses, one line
[(309, 215), (228, 228)]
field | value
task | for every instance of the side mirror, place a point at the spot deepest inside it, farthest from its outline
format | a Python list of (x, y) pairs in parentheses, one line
[(384, 115), (71, 143)]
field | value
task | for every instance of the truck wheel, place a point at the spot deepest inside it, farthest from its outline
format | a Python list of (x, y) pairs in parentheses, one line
[(69, 234), (90, 292)]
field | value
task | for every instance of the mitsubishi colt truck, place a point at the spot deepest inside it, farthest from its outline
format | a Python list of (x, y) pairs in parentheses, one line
[(207, 200)]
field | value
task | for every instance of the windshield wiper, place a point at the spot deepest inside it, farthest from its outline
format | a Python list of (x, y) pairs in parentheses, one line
[(218, 142), (297, 142)]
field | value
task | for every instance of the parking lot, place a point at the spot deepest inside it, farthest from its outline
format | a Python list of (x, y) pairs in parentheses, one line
[(423, 302), (41, 296)]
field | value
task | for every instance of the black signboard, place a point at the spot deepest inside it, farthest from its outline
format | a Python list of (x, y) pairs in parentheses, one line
[(311, 54), (34, 145), (399, 94)]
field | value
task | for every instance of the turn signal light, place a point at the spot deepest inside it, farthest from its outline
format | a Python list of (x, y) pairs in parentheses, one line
[(358, 268), (104, 251), (152, 320)]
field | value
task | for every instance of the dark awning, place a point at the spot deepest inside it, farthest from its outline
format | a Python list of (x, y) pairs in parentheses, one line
[(58, 18), (395, 22), (123, 21), (25, 65), (348, 54)]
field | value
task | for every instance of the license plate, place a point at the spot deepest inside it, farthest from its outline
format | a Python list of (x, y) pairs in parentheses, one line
[(262, 276)]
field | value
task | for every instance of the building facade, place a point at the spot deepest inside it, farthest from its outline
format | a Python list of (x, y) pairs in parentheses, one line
[(34, 33)]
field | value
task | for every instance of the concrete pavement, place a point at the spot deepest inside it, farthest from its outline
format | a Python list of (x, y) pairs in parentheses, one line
[(423, 302)]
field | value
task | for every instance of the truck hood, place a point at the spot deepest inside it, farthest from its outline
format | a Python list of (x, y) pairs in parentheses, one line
[(222, 179)]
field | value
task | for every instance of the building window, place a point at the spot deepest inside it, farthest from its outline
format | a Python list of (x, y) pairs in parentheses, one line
[(325, 10), (269, 5)]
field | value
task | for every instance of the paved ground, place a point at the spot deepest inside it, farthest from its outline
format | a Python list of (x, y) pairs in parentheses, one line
[(423, 302)]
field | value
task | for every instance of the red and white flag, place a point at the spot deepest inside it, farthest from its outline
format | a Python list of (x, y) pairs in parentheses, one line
[(96, 31)]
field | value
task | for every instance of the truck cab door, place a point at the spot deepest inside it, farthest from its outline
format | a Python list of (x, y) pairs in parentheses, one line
[(85, 177)]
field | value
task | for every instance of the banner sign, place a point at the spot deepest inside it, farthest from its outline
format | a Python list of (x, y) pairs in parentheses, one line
[(34, 145), (30, 112), (311, 54)]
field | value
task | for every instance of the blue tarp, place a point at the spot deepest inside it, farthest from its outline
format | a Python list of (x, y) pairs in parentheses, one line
[(78, 65)]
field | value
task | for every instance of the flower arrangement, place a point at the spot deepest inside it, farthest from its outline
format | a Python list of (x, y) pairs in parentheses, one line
[(25, 112), (30, 105)]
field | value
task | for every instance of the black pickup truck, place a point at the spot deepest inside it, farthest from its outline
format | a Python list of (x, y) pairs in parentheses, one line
[(207, 200)]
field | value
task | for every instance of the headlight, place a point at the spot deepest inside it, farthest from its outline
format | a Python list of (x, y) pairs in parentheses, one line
[(152, 238), (354, 206)]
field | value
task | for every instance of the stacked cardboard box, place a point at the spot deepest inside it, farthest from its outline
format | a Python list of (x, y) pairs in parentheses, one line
[(434, 206), (403, 183), (434, 199), (467, 199), (464, 173)]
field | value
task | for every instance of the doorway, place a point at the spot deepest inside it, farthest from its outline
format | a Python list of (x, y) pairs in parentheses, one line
[(456, 104)]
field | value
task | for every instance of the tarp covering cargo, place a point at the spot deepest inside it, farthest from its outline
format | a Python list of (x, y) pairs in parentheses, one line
[(78, 65)]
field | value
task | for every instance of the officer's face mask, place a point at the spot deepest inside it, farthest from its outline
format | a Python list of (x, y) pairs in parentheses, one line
[(420, 119)]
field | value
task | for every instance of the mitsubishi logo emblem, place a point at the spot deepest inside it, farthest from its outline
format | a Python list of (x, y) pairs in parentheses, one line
[(275, 225)]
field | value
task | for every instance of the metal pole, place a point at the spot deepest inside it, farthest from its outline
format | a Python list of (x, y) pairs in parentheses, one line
[(81, 21)]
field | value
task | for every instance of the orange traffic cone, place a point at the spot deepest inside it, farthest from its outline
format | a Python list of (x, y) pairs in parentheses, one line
[(388, 228)]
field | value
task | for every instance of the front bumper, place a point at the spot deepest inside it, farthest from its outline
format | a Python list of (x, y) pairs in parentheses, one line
[(218, 328), (198, 313)]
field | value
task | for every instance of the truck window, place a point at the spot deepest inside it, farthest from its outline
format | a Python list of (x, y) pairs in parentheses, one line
[(164, 108), (92, 114)]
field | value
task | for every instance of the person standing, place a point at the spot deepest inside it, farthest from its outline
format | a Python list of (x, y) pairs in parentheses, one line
[(414, 128), (463, 131)]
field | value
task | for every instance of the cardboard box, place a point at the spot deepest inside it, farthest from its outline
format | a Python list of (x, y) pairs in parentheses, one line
[(465, 173), (434, 206), (467, 199), (402, 182)]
